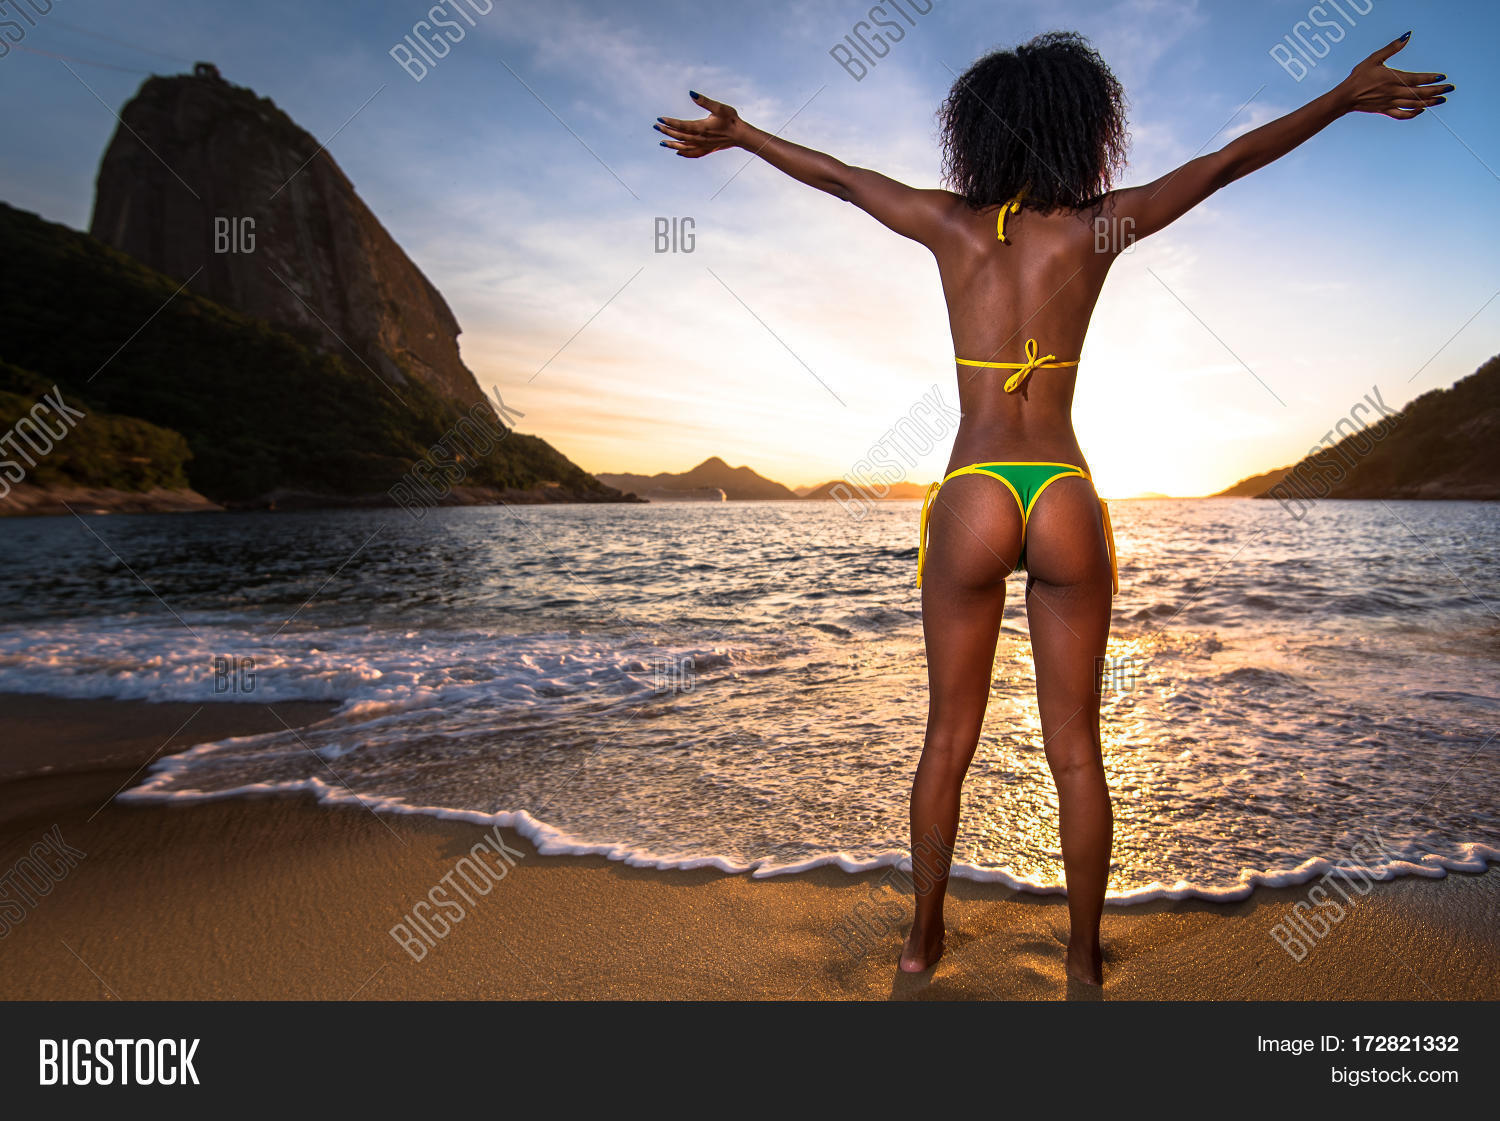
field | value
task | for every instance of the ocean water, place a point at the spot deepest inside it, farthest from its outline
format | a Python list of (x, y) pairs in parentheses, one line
[(742, 685)]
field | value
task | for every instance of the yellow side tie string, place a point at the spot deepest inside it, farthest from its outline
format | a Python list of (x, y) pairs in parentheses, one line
[(1012, 207), (1109, 540), (932, 490)]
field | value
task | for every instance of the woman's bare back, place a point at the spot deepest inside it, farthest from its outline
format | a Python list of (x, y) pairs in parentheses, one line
[(1040, 284)]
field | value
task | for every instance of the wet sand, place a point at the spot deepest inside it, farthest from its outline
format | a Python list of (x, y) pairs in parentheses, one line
[(277, 897)]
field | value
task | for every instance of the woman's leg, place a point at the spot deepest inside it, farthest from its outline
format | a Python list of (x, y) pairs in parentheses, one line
[(973, 538), (1068, 613)]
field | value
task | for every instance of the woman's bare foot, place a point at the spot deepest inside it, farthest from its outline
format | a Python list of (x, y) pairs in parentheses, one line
[(1086, 964), (923, 948)]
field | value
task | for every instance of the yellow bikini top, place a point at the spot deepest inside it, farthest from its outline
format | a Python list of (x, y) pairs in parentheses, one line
[(1022, 369)]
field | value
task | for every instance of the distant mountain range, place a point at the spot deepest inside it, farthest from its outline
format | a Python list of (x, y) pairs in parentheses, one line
[(843, 490), (1445, 444), (741, 484)]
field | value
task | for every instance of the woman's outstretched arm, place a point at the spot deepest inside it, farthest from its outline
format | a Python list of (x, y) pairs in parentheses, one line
[(921, 215), (1371, 87)]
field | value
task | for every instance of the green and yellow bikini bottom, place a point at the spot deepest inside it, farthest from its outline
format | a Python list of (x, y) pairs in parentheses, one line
[(1025, 481)]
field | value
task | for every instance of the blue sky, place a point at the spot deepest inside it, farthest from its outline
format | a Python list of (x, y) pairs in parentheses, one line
[(1357, 261)]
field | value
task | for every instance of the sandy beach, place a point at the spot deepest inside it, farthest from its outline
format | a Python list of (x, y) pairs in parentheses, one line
[(278, 897)]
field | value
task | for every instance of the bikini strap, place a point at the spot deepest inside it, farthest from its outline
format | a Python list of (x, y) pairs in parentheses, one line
[(1011, 207), (1109, 541), (932, 490), (1022, 369)]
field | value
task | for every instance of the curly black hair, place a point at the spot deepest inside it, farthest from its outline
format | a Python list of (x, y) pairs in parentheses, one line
[(1045, 121)]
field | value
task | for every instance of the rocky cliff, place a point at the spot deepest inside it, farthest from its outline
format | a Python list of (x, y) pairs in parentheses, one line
[(204, 179), (308, 363)]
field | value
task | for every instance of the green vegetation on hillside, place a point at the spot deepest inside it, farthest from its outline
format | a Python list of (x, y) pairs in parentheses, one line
[(1441, 445), (102, 450), (259, 409)]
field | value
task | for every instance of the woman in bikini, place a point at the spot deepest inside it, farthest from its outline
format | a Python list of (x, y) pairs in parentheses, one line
[(1032, 138)]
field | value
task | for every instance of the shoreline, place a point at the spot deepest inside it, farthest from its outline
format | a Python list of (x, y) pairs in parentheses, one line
[(549, 840), (28, 500), (43, 502), (278, 897)]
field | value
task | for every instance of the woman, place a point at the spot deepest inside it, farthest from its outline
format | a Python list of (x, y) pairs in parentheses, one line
[(1032, 138)]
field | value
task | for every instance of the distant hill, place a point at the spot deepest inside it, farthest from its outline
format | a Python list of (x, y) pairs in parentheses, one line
[(855, 490), (1253, 486), (739, 484), (1442, 445)]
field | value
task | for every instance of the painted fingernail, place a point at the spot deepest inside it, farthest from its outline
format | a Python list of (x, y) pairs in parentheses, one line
[(1441, 78), (663, 143), (693, 94), (1406, 36), (1439, 100), (1449, 89), (661, 120)]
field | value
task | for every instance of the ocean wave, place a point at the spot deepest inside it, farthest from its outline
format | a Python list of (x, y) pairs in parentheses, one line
[(550, 840), (206, 660)]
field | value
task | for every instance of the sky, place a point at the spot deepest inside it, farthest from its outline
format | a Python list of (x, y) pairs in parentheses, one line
[(521, 173)]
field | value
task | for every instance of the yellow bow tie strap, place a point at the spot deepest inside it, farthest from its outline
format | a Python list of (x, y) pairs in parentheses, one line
[(1022, 369)]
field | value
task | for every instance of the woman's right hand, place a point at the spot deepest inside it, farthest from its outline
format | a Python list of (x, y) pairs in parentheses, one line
[(1373, 87), (722, 128)]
